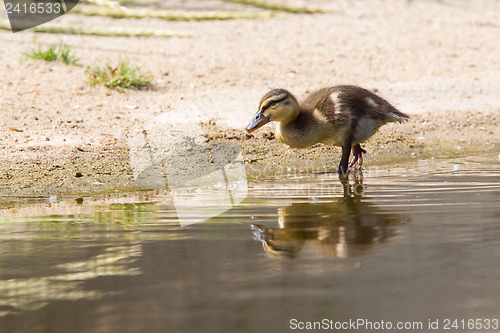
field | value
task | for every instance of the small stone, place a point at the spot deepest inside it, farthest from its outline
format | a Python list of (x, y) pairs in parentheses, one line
[(79, 174)]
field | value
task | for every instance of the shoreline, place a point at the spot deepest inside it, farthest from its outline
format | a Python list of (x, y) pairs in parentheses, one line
[(69, 170)]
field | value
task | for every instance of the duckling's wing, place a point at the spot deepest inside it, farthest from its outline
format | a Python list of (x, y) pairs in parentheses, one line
[(326, 101), (316, 98), (363, 103)]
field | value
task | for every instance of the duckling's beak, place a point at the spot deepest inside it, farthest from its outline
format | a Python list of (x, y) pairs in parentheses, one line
[(258, 121)]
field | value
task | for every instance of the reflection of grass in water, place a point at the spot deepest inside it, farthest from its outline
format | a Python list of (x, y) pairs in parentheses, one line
[(57, 222), (129, 213), (52, 53), (121, 77)]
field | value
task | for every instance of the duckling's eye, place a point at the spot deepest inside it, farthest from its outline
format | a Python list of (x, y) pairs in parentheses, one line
[(271, 103)]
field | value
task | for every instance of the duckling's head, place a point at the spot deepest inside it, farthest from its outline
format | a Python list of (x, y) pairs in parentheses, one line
[(276, 105)]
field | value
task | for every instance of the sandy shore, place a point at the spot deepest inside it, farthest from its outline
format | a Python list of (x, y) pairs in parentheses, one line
[(436, 60)]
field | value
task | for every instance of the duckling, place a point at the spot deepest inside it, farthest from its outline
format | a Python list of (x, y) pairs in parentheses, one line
[(343, 116)]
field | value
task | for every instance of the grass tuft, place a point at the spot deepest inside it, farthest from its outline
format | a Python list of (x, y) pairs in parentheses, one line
[(121, 77), (53, 53), (277, 6), (112, 31)]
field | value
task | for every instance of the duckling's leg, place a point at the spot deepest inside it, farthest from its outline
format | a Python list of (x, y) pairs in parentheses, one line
[(357, 152), (354, 159), (344, 161)]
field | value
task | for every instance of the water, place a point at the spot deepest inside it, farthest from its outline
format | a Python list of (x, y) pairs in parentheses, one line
[(409, 244)]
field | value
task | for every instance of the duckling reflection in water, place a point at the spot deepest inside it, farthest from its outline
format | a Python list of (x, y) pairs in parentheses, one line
[(343, 116), (346, 227)]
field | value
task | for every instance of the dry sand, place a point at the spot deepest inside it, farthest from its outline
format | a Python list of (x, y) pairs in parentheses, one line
[(436, 60)]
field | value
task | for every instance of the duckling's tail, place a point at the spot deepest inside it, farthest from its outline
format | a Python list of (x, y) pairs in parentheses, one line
[(395, 115)]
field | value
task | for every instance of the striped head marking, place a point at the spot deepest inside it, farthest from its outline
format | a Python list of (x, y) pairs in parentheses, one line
[(276, 105), (279, 105)]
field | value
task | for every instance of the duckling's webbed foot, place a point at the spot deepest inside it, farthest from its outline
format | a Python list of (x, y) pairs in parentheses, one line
[(357, 153)]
